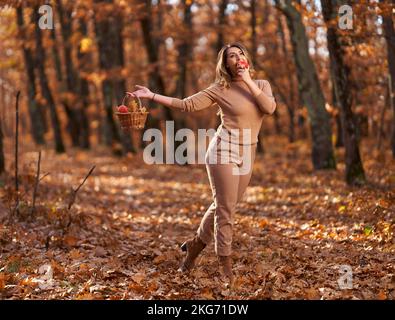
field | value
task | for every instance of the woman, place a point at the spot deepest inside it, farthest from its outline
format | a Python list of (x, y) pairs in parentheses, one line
[(243, 102)]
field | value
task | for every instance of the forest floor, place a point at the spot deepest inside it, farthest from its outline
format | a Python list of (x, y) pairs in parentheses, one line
[(293, 231)]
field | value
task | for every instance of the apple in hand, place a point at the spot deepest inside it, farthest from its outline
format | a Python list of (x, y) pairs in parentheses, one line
[(244, 64), (123, 109)]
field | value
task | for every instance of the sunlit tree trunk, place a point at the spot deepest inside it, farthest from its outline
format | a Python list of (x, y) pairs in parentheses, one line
[(310, 89)]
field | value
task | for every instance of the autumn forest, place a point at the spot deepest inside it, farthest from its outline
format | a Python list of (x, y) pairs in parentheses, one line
[(84, 215)]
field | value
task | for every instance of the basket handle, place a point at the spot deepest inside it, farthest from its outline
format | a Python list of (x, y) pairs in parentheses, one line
[(138, 99)]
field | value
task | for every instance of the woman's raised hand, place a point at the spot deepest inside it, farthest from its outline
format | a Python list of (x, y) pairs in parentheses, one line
[(141, 92), (244, 71)]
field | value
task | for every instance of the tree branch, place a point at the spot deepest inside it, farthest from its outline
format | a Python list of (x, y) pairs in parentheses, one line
[(74, 192)]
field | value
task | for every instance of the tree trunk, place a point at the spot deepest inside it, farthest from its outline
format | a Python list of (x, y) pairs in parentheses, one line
[(339, 127), (159, 23), (389, 34), (277, 125), (339, 134), (253, 30), (110, 132), (69, 100), (62, 89), (109, 129), (2, 161), (253, 51), (56, 57), (78, 124), (155, 80), (221, 24), (341, 78), (119, 81), (184, 49), (184, 58), (40, 63), (108, 25), (83, 61), (310, 89), (290, 102), (35, 111)]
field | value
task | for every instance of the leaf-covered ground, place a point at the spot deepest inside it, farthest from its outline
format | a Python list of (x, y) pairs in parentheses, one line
[(292, 232)]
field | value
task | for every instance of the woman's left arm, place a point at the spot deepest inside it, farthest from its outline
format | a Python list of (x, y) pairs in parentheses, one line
[(264, 96)]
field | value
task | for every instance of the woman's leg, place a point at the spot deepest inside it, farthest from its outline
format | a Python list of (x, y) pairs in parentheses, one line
[(206, 228), (245, 179), (194, 246), (227, 189)]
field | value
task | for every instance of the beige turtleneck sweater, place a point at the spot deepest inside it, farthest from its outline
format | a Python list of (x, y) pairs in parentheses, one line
[(239, 108)]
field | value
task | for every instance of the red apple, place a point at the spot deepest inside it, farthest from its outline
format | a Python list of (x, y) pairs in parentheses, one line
[(123, 109), (244, 64)]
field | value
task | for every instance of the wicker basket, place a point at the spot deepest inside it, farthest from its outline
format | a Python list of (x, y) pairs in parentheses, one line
[(134, 119)]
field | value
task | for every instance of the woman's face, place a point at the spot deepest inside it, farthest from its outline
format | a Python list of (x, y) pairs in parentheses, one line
[(233, 57)]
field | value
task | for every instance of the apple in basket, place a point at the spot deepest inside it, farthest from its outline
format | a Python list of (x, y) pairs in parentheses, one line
[(123, 109)]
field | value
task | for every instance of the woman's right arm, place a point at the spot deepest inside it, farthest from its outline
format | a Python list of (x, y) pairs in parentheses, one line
[(145, 93), (165, 100), (198, 101)]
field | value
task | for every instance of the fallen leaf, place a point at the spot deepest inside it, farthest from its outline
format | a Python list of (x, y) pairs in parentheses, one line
[(138, 277), (382, 295), (100, 252), (207, 294), (160, 259)]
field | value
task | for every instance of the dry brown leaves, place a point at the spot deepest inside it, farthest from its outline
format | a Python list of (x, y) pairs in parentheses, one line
[(293, 230)]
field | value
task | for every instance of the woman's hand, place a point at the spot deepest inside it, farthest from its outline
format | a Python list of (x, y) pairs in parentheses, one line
[(141, 92), (244, 73)]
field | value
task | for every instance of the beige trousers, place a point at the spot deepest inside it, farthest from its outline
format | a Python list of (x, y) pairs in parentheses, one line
[(228, 184)]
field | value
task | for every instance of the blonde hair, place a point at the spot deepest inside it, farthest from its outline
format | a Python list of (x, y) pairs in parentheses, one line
[(223, 75)]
